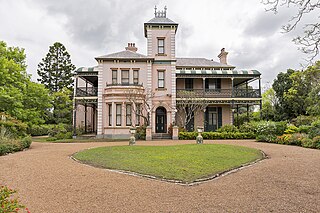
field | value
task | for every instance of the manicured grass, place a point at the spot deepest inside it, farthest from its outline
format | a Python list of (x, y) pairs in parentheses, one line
[(185, 163)]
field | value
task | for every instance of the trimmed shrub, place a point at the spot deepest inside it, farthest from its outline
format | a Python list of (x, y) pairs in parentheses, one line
[(316, 141), (216, 135), (307, 143), (304, 129), (247, 127), (228, 128)]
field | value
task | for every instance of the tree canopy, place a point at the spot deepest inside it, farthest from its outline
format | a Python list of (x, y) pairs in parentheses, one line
[(19, 96), (55, 70)]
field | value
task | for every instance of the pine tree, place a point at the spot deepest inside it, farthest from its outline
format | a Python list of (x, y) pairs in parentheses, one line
[(56, 68)]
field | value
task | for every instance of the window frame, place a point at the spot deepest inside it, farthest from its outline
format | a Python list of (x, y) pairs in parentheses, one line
[(110, 114), (161, 46), (118, 114), (138, 112), (128, 114), (135, 77), (122, 77), (114, 78), (161, 79)]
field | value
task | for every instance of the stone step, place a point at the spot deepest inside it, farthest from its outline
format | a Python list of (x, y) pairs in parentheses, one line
[(161, 136)]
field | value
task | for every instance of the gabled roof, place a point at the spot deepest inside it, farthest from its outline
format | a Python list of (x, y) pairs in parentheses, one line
[(200, 62), (126, 54)]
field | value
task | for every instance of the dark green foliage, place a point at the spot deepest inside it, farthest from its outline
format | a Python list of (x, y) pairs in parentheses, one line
[(62, 106), (10, 127), (9, 145), (60, 131), (228, 128), (39, 130), (19, 96), (56, 69), (216, 135), (141, 133), (303, 120)]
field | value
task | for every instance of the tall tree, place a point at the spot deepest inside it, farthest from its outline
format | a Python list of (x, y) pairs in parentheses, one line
[(56, 68), (19, 96), (281, 85), (309, 41)]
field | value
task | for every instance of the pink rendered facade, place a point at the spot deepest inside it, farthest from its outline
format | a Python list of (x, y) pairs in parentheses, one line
[(130, 89)]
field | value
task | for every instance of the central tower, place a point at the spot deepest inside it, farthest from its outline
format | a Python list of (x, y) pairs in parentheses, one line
[(161, 74)]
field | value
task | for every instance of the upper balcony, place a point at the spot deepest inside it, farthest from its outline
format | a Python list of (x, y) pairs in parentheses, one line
[(218, 93), (86, 91), (123, 89)]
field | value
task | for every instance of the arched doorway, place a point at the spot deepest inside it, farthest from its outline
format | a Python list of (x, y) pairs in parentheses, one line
[(161, 120)]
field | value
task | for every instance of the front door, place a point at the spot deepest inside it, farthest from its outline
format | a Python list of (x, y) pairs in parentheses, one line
[(213, 118), (161, 120)]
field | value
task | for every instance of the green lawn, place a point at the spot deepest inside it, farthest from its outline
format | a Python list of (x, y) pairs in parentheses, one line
[(185, 163)]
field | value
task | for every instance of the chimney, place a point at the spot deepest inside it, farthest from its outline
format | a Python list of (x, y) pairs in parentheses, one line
[(223, 56), (132, 47)]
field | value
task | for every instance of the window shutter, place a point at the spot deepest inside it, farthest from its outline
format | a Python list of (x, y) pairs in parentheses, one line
[(219, 117)]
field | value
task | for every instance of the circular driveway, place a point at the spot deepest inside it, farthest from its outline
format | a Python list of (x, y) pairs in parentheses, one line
[(47, 180)]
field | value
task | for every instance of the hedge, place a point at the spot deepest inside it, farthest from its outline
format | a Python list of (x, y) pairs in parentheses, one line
[(217, 135)]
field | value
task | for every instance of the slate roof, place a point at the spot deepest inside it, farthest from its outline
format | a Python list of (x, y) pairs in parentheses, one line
[(126, 54), (161, 20), (200, 62)]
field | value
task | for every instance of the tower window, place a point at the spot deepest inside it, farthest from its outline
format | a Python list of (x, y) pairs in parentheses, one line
[(161, 79), (160, 46)]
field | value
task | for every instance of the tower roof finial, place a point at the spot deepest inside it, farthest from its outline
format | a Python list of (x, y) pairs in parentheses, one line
[(155, 10), (160, 14)]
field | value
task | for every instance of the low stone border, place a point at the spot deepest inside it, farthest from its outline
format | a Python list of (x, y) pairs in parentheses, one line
[(178, 182)]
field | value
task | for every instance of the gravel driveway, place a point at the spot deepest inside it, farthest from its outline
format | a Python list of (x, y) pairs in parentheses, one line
[(49, 181)]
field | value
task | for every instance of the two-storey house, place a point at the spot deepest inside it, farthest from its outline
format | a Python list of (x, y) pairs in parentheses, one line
[(128, 88)]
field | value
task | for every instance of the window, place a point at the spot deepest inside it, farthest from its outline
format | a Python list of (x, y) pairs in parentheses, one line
[(213, 83), (125, 77), (114, 76), (128, 114), (160, 46), (189, 83), (136, 77), (161, 79), (118, 114), (110, 114), (138, 113), (213, 118)]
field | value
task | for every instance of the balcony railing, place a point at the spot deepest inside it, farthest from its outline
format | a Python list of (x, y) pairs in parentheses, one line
[(219, 93), (86, 92), (124, 84)]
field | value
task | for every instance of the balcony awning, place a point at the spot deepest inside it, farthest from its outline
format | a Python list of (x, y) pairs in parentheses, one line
[(219, 72), (87, 69)]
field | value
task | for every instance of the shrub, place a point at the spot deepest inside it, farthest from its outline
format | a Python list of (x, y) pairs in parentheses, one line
[(291, 129), (307, 143), (141, 133), (316, 142), (304, 129), (270, 138), (7, 202), (9, 145), (303, 120), (216, 135), (281, 126), (11, 127), (39, 130), (314, 131), (228, 128), (247, 127)]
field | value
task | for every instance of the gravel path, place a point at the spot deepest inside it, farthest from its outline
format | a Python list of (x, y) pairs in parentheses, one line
[(49, 181)]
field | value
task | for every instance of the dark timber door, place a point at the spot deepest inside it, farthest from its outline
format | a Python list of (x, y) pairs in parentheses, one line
[(161, 120), (213, 118)]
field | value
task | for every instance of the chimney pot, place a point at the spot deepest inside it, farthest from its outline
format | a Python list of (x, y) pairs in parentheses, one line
[(132, 47)]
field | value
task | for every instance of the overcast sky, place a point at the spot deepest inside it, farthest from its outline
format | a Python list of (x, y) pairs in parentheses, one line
[(88, 29)]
